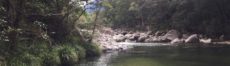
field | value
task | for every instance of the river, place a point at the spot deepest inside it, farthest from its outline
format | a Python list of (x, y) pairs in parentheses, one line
[(155, 54)]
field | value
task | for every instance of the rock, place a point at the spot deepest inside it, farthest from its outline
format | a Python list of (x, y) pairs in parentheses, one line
[(157, 39), (149, 33), (130, 41), (172, 34), (177, 40), (119, 38), (159, 33), (192, 39), (142, 37), (206, 41), (124, 33), (135, 37), (221, 38), (129, 36), (185, 36), (150, 39)]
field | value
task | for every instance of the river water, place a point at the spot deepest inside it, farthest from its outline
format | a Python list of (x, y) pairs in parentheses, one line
[(154, 54)]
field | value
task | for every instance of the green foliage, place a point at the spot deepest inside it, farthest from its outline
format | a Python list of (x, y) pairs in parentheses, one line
[(81, 51), (24, 59), (194, 16), (92, 49), (39, 54), (82, 46), (68, 56), (52, 58), (41, 32)]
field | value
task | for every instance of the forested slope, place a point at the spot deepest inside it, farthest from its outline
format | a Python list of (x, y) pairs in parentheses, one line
[(42, 33), (209, 17)]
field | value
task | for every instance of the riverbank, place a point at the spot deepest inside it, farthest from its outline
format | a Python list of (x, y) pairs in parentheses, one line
[(42, 53), (109, 39)]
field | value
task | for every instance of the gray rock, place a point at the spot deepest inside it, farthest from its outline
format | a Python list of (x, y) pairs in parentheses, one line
[(142, 37), (119, 38), (149, 33), (185, 36), (158, 39), (177, 40), (172, 34), (135, 37), (129, 36), (192, 39), (206, 41), (159, 33)]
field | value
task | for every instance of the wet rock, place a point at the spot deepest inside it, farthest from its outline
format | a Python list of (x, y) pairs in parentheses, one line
[(192, 39), (206, 41), (177, 40)]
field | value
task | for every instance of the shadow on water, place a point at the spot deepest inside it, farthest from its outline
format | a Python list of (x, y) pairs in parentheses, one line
[(165, 55)]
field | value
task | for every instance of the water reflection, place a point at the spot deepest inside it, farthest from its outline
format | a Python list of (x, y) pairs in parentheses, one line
[(164, 55), (103, 60)]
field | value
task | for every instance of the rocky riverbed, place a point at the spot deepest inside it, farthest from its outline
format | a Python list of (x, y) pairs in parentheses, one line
[(111, 40)]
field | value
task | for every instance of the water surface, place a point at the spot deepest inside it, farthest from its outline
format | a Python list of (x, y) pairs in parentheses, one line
[(163, 55)]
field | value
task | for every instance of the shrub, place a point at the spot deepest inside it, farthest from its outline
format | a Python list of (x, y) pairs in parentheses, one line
[(52, 58), (25, 59), (68, 56)]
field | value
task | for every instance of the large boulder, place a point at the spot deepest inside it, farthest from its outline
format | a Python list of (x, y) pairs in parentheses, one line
[(192, 39), (119, 38), (171, 35), (177, 40)]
